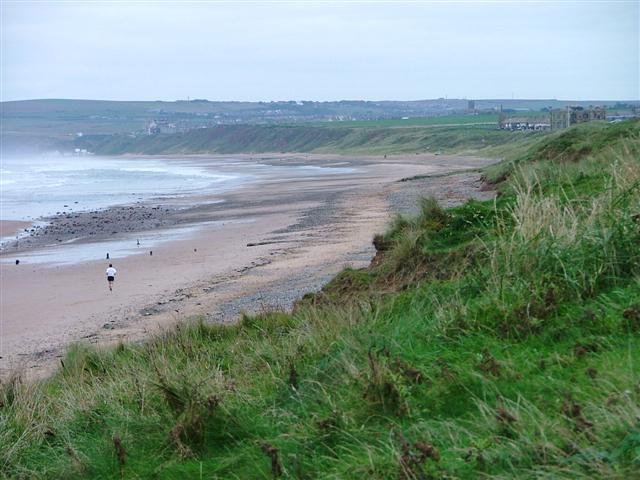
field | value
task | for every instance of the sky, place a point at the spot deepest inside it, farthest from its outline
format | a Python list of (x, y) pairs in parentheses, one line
[(319, 50)]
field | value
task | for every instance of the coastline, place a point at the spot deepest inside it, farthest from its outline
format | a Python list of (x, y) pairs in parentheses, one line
[(262, 246)]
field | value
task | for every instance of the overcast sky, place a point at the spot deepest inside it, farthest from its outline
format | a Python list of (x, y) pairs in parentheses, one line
[(305, 50)]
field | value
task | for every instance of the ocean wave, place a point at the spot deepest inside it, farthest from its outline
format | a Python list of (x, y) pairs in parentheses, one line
[(144, 169), (191, 172), (35, 188)]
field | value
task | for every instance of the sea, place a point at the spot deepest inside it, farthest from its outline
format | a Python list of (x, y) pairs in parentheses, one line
[(40, 186)]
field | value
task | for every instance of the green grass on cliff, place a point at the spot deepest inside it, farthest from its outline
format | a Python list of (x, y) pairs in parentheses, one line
[(493, 340), (376, 140)]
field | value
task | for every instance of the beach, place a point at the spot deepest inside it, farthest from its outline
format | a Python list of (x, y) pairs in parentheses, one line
[(209, 256), (11, 228)]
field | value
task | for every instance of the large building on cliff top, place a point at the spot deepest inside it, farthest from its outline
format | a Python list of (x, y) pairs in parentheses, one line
[(565, 117)]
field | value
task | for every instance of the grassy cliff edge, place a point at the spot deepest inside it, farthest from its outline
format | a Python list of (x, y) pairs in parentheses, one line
[(498, 339), (304, 138)]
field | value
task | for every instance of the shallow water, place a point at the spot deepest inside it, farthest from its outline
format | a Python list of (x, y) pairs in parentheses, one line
[(70, 253)]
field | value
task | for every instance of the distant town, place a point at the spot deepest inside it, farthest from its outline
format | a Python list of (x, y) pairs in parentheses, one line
[(559, 118), (509, 118), (53, 124)]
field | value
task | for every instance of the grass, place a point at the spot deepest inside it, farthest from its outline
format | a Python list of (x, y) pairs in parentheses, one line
[(317, 139), (493, 340), (560, 148)]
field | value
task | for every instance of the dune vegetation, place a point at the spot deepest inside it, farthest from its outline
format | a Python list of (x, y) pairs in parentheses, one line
[(492, 340), (376, 139)]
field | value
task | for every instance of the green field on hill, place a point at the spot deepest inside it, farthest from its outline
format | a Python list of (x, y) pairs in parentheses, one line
[(497, 339), (315, 139)]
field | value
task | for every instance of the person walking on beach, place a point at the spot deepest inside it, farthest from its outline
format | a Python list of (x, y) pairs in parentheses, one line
[(111, 276)]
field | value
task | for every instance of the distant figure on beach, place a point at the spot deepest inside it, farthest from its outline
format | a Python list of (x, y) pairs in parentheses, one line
[(111, 276), (151, 252), (17, 262), (107, 255), (138, 242)]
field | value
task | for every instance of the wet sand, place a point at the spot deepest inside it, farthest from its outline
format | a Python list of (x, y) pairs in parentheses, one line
[(11, 228), (262, 245)]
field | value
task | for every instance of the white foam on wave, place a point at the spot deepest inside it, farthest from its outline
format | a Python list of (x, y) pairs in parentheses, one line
[(36, 187)]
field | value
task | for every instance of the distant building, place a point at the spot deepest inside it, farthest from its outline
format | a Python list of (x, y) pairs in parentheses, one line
[(153, 128), (565, 117), (471, 105), (523, 123)]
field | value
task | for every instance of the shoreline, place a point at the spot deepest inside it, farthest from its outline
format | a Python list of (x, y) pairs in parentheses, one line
[(298, 233), (9, 229), (113, 222), (166, 211)]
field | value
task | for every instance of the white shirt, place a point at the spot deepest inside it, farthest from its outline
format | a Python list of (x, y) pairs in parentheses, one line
[(111, 272)]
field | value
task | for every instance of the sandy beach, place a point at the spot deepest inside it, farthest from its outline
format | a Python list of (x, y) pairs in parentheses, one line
[(262, 245)]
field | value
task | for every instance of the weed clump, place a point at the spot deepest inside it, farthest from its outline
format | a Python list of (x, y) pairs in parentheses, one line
[(272, 452), (383, 386), (120, 454), (415, 459)]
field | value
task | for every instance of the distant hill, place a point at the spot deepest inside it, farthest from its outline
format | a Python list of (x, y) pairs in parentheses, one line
[(61, 117), (59, 124)]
